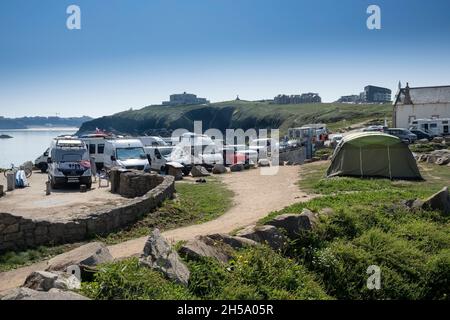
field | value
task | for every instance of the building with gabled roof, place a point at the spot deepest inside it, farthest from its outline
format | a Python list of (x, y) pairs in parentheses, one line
[(420, 103)]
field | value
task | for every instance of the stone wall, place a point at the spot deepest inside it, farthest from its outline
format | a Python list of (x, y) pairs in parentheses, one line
[(18, 233), (293, 156)]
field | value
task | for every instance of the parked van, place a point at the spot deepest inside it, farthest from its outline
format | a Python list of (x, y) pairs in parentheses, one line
[(159, 157), (41, 161), (152, 141), (434, 127), (126, 154), (69, 162), (95, 144)]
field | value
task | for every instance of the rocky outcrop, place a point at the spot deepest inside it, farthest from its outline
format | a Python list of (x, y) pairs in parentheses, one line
[(89, 255), (205, 247), (219, 169), (45, 281), (159, 255), (233, 241), (439, 157), (264, 234), (294, 224), (440, 201), (199, 171), (52, 294)]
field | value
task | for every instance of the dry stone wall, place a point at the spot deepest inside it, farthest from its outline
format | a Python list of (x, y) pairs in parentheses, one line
[(18, 233)]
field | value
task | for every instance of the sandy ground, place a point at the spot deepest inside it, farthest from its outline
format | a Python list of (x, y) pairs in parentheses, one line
[(31, 202), (255, 197)]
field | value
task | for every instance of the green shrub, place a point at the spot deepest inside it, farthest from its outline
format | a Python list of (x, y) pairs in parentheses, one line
[(126, 280), (256, 273), (438, 276)]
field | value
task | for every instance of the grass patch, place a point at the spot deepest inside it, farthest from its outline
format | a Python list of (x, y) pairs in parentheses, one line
[(194, 203), (313, 180), (13, 260)]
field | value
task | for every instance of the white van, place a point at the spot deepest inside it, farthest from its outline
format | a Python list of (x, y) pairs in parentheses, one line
[(152, 141), (69, 162), (159, 157), (126, 154), (96, 148), (434, 127)]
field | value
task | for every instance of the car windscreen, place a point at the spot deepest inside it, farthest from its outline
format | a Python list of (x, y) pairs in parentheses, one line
[(130, 153), (65, 155), (165, 152)]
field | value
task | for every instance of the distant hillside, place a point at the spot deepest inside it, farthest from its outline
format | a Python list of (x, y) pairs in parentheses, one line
[(25, 122), (234, 114)]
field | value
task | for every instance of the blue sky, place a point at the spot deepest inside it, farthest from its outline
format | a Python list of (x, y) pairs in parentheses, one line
[(133, 53)]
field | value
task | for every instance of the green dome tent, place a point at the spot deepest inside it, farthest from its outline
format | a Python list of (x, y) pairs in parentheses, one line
[(373, 154)]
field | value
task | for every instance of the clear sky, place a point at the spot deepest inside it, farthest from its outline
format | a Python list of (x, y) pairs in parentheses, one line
[(133, 53)]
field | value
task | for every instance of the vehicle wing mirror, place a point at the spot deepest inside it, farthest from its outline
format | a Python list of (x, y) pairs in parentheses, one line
[(113, 158), (49, 160)]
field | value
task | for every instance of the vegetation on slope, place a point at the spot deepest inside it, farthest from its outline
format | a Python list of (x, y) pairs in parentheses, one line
[(237, 114), (254, 274), (371, 227)]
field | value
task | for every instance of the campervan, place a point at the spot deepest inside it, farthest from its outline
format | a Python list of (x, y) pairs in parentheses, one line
[(125, 154), (435, 127), (68, 162), (95, 144), (159, 157), (152, 141)]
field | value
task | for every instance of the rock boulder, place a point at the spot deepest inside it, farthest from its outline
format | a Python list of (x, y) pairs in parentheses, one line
[(199, 171), (89, 255), (206, 247), (159, 255), (264, 234), (294, 224), (233, 241), (219, 169), (44, 281), (440, 201)]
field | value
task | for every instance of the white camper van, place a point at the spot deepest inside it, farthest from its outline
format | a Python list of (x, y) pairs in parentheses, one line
[(126, 154), (435, 127), (153, 141), (68, 162), (159, 157), (95, 144)]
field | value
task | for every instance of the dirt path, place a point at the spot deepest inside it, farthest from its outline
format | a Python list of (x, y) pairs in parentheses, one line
[(255, 196)]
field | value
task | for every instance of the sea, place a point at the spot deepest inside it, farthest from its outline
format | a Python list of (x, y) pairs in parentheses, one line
[(28, 144)]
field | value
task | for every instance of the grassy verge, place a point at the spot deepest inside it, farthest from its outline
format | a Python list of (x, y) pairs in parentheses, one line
[(14, 260), (194, 203)]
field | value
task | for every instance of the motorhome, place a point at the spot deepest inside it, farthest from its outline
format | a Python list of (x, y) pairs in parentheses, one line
[(96, 147), (126, 154), (196, 149), (68, 162), (153, 141), (435, 127)]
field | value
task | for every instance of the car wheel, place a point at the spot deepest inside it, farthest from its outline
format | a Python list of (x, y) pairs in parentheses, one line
[(44, 168)]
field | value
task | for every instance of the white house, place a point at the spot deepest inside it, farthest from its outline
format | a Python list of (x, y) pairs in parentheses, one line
[(420, 103)]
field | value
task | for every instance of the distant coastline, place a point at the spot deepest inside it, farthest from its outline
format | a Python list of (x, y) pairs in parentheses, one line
[(41, 122)]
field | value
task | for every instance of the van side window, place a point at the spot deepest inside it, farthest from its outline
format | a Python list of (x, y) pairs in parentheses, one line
[(92, 148), (101, 148)]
